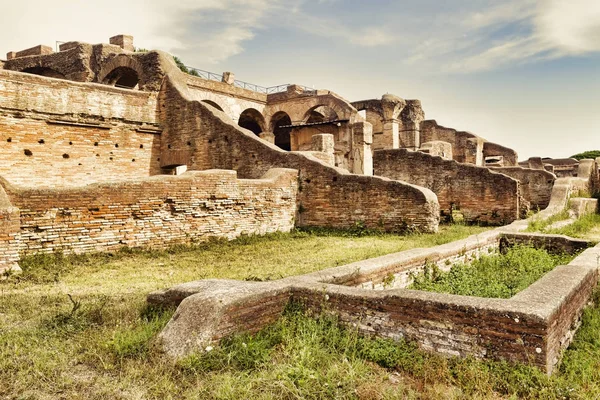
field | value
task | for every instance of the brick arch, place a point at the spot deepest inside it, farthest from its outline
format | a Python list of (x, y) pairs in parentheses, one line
[(299, 109), (217, 103), (253, 120), (121, 61), (44, 71), (373, 106)]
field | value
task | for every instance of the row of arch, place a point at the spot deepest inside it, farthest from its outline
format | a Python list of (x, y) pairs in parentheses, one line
[(280, 123)]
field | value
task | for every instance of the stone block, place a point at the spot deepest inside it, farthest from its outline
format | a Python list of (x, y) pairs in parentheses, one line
[(228, 78)]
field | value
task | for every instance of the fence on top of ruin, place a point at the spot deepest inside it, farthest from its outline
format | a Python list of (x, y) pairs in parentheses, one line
[(212, 76)]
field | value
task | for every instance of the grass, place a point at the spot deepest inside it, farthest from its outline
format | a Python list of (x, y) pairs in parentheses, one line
[(98, 343), (494, 275), (77, 326), (539, 225), (588, 226)]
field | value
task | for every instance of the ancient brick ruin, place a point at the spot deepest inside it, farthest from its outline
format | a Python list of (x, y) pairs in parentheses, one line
[(103, 147)]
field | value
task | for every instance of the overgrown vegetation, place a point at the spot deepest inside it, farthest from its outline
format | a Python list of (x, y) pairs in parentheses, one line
[(588, 226), (493, 275), (537, 224), (180, 64), (587, 154), (99, 342)]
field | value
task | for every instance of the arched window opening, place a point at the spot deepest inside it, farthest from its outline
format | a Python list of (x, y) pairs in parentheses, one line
[(123, 77), (43, 71), (212, 104), (281, 123), (321, 114), (252, 120)]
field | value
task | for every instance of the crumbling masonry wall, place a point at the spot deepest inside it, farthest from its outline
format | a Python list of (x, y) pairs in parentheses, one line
[(203, 138), (480, 194), (153, 212), (466, 147), (535, 184), (62, 133)]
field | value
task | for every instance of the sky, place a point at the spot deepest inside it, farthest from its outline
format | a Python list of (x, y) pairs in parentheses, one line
[(521, 73)]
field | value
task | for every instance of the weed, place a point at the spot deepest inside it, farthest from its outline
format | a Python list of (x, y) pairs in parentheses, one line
[(492, 275)]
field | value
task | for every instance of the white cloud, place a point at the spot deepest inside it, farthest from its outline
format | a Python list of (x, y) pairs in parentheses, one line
[(572, 27), (463, 39), (549, 29), (170, 26)]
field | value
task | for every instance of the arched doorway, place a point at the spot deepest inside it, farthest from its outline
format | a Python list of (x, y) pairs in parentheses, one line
[(252, 120), (43, 71), (123, 77), (281, 123), (212, 104)]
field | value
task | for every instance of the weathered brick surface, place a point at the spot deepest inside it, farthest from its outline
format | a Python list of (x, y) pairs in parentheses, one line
[(466, 147), (60, 133), (533, 327), (154, 212), (197, 136), (535, 184), (480, 194)]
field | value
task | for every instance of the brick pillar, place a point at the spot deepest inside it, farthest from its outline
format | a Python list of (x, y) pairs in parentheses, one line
[(324, 143), (123, 41), (362, 156), (391, 134), (10, 227), (410, 132), (410, 136), (294, 146), (228, 78), (474, 151), (267, 137)]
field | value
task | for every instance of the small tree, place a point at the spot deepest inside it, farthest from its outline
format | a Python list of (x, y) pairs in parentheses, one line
[(181, 65), (587, 154)]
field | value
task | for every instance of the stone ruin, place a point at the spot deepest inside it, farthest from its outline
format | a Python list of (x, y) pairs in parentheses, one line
[(104, 147)]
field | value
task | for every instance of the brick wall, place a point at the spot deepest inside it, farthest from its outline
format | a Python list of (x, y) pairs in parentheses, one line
[(480, 194), (466, 147), (55, 132), (510, 157), (203, 138), (535, 185), (154, 212)]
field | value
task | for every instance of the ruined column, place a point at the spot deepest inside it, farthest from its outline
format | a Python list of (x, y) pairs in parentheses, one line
[(323, 145), (362, 156), (392, 106), (410, 131)]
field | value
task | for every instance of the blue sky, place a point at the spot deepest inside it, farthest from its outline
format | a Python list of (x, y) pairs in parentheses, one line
[(522, 73)]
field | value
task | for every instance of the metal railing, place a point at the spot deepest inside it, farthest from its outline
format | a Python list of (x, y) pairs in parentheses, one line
[(212, 76)]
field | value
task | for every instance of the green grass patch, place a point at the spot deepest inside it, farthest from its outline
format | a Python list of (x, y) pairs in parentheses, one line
[(494, 275), (539, 225), (100, 343), (580, 228)]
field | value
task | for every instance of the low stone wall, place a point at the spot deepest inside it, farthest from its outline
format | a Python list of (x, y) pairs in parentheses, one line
[(480, 194), (155, 212), (533, 327), (203, 138), (535, 184)]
